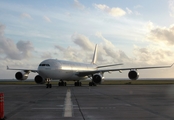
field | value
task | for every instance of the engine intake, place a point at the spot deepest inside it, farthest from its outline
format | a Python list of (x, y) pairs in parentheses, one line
[(21, 75), (133, 75), (39, 79), (97, 78)]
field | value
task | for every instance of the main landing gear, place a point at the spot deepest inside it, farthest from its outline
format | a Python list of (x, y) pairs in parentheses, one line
[(77, 83), (92, 84), (48, 85), (61, 83)]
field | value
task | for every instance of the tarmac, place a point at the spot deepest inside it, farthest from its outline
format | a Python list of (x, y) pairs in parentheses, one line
[(103, 102)]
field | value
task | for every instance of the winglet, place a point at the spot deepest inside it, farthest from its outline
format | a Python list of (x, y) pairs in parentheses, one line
[(95, 55), (7, 67)]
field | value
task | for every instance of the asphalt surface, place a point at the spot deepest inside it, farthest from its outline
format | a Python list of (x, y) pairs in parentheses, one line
[(122, 102)]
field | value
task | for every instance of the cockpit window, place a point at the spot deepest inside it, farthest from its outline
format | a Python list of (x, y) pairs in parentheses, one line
[(47, 65), (44, 65)]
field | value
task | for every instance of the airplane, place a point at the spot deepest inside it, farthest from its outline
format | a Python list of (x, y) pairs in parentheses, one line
[(54, 69)]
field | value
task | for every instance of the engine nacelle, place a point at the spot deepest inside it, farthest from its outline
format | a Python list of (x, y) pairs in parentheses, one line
[(133, 75), (97, 78), (39, 79), (21, 75)]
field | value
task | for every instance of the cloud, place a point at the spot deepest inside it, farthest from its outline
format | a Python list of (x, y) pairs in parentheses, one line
[(133, 12), (78, 5), (18, 51), (26, 15), (129, 11), (2, 28), (107, 52), (73, 54), (115, 11), (152, 55), (24, 48), (46, 18), (171, 8), (164, 35), (138, 6), (149, 25), (59, 48), (84, 54), (82, 41), (111, 51), (46, 55)]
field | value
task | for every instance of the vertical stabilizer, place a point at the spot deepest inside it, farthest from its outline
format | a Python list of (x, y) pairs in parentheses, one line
[(95, 55)]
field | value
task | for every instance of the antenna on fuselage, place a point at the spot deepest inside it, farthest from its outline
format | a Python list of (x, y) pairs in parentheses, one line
[(95, 55)]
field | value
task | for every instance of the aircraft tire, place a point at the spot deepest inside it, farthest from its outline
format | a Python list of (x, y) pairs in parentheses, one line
[(64, 83), (94, 84), (50, 85), (77, 84), (90, 83)]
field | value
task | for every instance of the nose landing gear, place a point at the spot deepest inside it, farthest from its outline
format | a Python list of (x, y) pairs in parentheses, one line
[(48, 85)]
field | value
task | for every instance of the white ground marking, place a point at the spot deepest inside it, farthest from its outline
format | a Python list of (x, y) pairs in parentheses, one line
[(68, 104)]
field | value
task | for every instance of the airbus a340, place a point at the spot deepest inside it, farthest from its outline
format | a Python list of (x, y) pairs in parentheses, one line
[(53, 69)]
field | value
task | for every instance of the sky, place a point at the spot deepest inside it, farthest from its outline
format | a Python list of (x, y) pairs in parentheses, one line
[(136, 33)]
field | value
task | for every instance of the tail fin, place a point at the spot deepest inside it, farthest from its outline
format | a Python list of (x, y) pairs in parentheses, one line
[(95, 55)]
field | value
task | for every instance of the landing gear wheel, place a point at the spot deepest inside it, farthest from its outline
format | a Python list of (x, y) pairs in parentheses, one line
[(62, 83), (77, 84), (92, 84), (48, 85)]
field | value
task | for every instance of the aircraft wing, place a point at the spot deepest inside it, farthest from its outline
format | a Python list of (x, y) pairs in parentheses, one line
[(25, 70), (109, 65), (86, 73)]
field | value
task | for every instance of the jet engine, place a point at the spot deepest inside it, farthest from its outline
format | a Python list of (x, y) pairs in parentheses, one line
[(39, 79), (21, 75), (97, 78), (133, 75)]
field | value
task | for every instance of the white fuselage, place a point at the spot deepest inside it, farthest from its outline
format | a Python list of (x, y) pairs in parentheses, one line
[(63, 70)]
